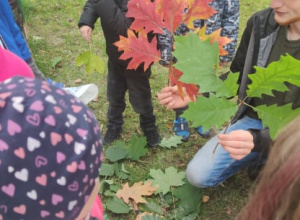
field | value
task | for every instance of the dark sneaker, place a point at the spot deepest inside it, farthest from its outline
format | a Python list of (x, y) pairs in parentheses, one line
[(204, 134), (112, 133), (152, 136), (181, 128)]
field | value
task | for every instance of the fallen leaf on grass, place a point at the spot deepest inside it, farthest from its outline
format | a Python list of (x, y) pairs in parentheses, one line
[(229, 212), (136, 192), (77, 81), (147, 215), (173, 141), (205, 199)]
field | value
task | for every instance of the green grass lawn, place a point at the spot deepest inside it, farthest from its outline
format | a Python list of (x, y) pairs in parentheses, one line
[(53, 33)]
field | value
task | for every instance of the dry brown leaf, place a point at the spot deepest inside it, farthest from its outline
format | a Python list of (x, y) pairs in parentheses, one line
[(136, 192), (229, 212), (77, 81), (205, 199)]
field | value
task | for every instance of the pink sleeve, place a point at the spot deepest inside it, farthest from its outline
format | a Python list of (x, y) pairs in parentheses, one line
[(97, 209), (12, 65)]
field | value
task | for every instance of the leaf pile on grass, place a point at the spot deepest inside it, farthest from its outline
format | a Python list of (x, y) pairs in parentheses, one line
[(165, 194)]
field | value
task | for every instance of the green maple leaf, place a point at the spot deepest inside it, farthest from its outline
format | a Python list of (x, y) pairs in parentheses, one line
[(116, 152), (92, 62), (209, 112), (198, 66), (272, 77), (173, 141), (165, 180), (136, 147), (276, 117)]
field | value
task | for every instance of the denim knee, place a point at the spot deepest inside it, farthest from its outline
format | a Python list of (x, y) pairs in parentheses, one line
[(199, 177)]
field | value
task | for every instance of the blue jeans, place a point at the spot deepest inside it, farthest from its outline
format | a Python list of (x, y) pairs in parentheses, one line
[(205, 170)]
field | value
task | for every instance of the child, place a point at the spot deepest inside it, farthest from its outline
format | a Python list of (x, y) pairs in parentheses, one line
[(50, 152), (119, 78)]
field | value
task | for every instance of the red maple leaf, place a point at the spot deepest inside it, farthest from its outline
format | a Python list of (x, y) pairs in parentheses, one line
[(139, 49), (145, 16)]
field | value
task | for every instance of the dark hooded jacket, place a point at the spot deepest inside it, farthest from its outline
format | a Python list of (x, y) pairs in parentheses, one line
[(113, 22)]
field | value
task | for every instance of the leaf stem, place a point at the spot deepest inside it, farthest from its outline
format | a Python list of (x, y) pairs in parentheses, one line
[(175, 213), (242, 102)]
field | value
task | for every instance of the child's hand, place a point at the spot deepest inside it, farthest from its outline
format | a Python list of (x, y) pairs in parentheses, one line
[(169, 97), (86, 32)]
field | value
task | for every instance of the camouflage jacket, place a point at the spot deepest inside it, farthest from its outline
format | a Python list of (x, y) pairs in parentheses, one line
[(227, 18)]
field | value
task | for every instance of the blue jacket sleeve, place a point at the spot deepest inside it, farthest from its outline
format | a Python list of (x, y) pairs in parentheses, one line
[(11, 33)]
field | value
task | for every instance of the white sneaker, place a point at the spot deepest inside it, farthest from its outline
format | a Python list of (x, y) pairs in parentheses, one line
[(84, 93)]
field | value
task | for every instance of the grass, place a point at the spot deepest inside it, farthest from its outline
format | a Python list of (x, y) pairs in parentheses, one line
[(52, 32)]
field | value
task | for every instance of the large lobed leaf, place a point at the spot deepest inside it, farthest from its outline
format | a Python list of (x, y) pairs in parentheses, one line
[(276, 117), (265, 80), (145, 16), (138, 49), (209, 112), (92, 62), (165, 180), (198, 9), (172, 12), (136, 147), (197, 60), (136, 192)]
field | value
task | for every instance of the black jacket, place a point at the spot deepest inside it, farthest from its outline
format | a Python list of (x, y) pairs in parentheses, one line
[(254, 50), (113, 22)]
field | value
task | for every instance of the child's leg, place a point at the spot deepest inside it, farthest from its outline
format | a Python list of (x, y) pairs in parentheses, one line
[(140, 95), (141, 100), (206, 170), (116, 89)]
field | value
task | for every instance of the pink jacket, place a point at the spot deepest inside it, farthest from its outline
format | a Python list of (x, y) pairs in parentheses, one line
[(11, 65)]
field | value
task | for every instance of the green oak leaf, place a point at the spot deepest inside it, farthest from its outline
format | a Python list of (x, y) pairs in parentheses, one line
[(118, 206), (272, 77), (136, 147), (173, 141), (198, 67), (210, 112), (116, 152), (276, 117), (165, 180), (229, 87), (92, 62)]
